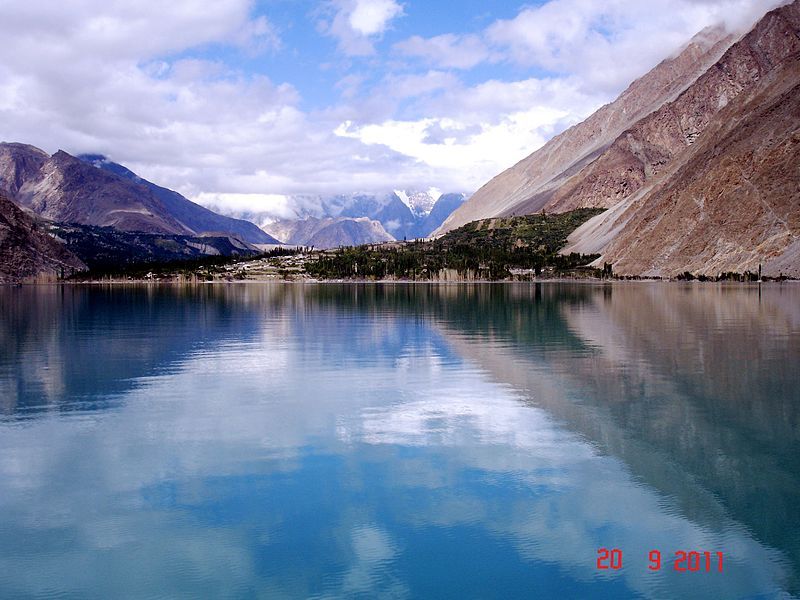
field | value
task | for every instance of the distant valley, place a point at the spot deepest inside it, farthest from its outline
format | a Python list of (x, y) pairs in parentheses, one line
[(63, 213), (359, 218)]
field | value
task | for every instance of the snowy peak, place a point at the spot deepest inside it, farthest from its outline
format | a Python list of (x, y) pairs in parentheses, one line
[(419, 203), (403, 214)]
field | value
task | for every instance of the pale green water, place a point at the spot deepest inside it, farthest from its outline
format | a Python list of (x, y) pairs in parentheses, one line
[(472, 441)]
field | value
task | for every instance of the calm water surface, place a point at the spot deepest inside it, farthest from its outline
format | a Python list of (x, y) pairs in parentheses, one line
[(398, 441)]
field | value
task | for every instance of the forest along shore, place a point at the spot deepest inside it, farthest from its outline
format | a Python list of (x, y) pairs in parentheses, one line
[(496, 249), (524, 248)]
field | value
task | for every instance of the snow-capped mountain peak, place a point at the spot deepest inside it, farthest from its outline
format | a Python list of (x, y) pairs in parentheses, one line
[(419, 203)]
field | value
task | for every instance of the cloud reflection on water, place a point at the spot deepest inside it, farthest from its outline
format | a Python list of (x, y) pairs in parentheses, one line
[(390, 412)]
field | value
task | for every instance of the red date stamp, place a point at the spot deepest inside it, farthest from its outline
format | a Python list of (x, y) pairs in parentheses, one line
[(684, 561)]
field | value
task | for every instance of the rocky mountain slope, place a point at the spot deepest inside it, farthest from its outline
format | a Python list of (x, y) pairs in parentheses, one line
[(707, 182), (104, 248), (530, 184), (66, 189), (729, 200), (27, 252), (329, 233), (646, 149), (420, 203), (443, 208), (405, 214), (193, 216)]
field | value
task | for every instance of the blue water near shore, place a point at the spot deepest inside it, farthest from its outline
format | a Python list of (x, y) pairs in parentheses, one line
[(398, 441)]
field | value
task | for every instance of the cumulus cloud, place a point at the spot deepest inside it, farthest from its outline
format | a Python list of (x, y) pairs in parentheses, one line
[(608, 44), (489, 126), (270, 207), (117, 29), (259, 36), (356, 23), (446, 145), (369, 17), (195, 125)]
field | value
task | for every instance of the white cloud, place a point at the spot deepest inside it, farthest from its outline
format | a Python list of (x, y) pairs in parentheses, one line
[(487, 148), (608, 44), (118, 29), (192, 125), (277, 206), (356, 23), (259, 36), (412, 85), (489, 127), (370, 17), (447, 50)]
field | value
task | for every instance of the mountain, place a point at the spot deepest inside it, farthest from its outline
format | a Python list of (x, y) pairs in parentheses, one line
[(528, 186), (329, 233), (403, 214), (442, 208), (27, 251), (731, 200), (419, 203), (705, 179), (102, 248), (196, 218), (397, 218), (66, 189), (428, 211)]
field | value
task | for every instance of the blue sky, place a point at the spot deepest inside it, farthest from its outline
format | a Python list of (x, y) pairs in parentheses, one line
[(310, 61), (248, 103)]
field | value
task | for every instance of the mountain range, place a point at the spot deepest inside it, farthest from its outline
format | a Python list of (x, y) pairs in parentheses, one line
[(62, 213), (92, 190), (401, 214), (330, 232), (697, 162)]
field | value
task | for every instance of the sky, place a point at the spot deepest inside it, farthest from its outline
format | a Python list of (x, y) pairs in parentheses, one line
[(245, 102)]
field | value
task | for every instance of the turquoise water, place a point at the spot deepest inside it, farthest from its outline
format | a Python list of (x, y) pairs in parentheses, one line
[(399, 441)]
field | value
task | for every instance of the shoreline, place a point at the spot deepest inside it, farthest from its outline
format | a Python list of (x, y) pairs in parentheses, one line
[(308, 281)]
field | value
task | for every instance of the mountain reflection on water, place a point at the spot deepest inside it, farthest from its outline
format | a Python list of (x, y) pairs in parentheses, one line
[(398, 440)]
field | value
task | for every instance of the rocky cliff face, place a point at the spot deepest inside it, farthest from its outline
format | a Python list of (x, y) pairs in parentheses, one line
[(68, 190), (444, 207), (731, 204), (533, 181), (642, 152), (729, 200), (705, 182), (27, 252), (196, 218), (19, 163)]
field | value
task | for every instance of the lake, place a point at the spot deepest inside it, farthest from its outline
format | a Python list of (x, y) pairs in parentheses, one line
[(626, 440)]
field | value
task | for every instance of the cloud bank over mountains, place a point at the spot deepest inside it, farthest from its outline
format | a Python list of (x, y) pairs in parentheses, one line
[(243, 101)]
